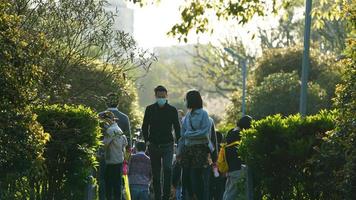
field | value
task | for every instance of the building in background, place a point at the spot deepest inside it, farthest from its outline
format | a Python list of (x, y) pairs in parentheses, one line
[(124, 16)]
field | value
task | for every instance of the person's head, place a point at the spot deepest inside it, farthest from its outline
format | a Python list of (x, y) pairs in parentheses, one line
[(108, 117), (161, 95), (140, 146), (193, 100), (244, 122), (112, 100)]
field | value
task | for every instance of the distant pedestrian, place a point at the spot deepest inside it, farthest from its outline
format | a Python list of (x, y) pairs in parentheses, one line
[(196, 154), (140, 173), (123, 122), (158, 122), (232, 157), (112, 101), (114, 146)]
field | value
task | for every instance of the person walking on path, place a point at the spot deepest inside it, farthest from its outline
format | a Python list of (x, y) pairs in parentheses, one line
[(157, 125), (123, 122), (114, 146), (196, 147), (234, 162), (140, 173)]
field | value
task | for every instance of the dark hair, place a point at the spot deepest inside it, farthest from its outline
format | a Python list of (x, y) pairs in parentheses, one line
[(194, 100), (112, 100), (160, 88), (141, 146), (245, 122)]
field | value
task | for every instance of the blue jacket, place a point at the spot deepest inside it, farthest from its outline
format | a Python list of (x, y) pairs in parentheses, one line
[(196, 127)]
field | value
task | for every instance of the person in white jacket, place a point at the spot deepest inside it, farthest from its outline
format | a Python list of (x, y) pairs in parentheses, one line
[(114, 144)]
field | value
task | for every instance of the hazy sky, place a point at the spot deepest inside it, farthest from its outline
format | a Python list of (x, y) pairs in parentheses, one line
[(151, 24)]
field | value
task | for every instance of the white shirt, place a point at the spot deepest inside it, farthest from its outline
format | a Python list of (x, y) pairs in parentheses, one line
[(115, 143)]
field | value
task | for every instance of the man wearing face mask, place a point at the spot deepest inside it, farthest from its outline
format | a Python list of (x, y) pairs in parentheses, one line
[(158, 122)]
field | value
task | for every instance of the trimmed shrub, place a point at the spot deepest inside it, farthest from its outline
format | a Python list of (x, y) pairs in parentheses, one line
[(70, 155), (281, 153), (22, 142), (279, 94)]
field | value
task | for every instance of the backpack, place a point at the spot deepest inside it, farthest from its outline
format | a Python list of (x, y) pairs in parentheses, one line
[(222, 162)]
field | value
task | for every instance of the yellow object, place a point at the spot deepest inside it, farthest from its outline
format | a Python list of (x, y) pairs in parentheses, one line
[(222, 162), (127, 188)]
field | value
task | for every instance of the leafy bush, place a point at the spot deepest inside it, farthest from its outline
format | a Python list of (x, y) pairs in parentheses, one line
[(274, 86), (345, 102), (281, 151), (89, 86), (279, 93), (70, 154), (22, 142)]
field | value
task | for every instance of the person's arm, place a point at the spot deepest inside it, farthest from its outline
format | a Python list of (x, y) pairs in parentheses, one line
[(107, 140), (204, 130), (214, 141), (150, 170), (127, 130), (124, 143), (145, 124), (176, 124)]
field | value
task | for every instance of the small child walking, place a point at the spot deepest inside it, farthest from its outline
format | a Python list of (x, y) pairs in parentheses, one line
[(140, 173), (114, 145)]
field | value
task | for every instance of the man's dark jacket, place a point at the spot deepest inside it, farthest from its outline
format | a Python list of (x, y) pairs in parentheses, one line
[(158, 123)]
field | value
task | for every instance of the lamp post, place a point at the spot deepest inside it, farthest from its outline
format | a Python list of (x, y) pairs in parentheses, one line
[(305, 63), (244, 75)]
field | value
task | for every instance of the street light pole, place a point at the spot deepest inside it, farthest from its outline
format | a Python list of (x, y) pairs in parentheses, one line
[(244, 75), (305, 63)]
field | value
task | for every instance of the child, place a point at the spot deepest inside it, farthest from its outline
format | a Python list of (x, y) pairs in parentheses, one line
[(234, 173), (140, 173), (114, 145)]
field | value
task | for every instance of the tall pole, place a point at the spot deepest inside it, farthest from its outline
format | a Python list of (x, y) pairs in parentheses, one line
[(244, 73), (305, 63), (244, 76)]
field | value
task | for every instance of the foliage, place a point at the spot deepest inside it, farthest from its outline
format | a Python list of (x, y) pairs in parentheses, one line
[(22, 138), (197, 16), (280, 152), (41, 42), (328, 33), (345, 102), (290, 59), (70, 155), (81, 33), (279, 93), (22, 141), (21, 60), (220, 69), (89, 86), (274, 85)]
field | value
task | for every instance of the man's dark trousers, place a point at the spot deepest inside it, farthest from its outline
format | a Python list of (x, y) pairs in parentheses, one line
[(161, 154)]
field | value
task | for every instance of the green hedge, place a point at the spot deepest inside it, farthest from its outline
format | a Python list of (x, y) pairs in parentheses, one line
[(22, 142), (282, 154), (70, 153)]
